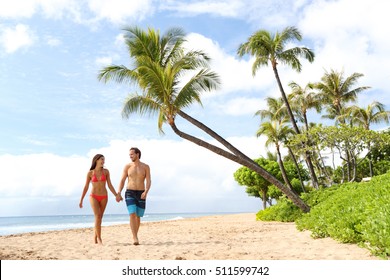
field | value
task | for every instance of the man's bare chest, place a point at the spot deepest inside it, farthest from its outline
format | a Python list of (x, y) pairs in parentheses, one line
[(136, 171)]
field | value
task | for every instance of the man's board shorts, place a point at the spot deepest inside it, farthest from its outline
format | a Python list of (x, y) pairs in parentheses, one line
[(134, 202)]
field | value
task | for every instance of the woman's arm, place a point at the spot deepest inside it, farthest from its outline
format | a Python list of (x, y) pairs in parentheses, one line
[(85, 190), (110, 186)]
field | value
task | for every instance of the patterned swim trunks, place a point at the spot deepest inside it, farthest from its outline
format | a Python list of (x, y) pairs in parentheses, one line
[(134, 202)]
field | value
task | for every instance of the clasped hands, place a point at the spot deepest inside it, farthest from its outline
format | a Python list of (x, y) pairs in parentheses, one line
[(118, 197)]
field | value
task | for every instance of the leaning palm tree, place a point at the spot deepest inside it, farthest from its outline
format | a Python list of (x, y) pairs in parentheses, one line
[(161, 65), (271, 48)]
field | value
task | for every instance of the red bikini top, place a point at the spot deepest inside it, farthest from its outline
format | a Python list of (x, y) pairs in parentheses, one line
[(95, 179)]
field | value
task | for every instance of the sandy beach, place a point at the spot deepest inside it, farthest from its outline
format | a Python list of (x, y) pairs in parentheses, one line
[(224, 237)]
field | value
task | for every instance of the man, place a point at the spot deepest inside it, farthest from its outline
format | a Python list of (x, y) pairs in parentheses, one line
[(138, 185)]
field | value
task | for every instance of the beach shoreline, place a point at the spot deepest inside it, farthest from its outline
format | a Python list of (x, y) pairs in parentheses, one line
[(218, 237)]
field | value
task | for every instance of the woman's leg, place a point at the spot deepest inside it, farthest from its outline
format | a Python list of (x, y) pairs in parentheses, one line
[(98, 210)]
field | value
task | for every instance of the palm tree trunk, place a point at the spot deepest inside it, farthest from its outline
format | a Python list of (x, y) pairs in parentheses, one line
[(213, 134), (294, 123), (310, 166), (264, 195), (297, 167), (354, 169), (282, 169), (370, 165), (348, 165), (284, 97), (370, 160), (322, 166), (250, 164)]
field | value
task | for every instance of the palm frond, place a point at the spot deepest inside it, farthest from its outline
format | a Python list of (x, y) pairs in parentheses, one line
[(138, 104), (204, 80), (118, 73)]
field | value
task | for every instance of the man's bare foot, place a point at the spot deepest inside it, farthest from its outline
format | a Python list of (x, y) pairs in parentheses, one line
[(99, 241), (136, 241), (96, 240)]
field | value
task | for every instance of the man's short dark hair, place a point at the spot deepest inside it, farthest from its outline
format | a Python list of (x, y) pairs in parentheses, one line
[(137, 151)]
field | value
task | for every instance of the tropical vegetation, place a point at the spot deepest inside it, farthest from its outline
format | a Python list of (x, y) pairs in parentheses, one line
[(355, 212)]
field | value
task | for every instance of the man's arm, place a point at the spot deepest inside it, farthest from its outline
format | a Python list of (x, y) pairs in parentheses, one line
[(123, 180), (148, 181)]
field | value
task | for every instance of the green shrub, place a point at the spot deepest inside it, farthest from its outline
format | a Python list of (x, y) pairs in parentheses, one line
[(283, 211)]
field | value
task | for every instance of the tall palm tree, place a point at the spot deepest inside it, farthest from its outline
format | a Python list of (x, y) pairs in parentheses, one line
[(337, 91), (374, 113), (277, 112), (160, 65), (303, 99), (275, 131), (271, 48)]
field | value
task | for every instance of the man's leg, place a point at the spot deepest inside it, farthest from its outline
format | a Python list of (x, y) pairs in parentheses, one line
[(138, 223), (134, 226)]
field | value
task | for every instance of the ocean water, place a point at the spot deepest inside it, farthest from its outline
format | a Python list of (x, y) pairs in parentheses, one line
[(16, 225)]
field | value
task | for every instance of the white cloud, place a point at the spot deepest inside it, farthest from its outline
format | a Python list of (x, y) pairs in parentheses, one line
[(49, 8), (118, 11), (120, 40), (103, 61), (241, 106), (17, 8), (221, 8), (45, 175), (13, 39), (59, 8), (276, 13), (53, 42)]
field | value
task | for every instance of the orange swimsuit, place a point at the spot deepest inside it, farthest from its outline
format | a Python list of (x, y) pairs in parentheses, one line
[(95, 179)]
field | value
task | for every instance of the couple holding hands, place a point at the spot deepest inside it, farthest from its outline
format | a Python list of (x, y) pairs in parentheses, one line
[(138, 178)]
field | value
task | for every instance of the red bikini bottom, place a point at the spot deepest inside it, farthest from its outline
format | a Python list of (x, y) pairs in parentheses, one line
[(99, 197)]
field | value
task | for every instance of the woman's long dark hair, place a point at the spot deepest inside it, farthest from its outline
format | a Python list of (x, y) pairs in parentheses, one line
[(94, 160)]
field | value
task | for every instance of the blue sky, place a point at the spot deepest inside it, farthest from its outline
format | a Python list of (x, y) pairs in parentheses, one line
[(55, 114)]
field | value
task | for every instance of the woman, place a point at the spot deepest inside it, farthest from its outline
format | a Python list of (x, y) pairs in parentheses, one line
[(99, 176)]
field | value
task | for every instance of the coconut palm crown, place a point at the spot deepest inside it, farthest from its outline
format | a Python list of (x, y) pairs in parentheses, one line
[(160, 64), (267, 47)]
